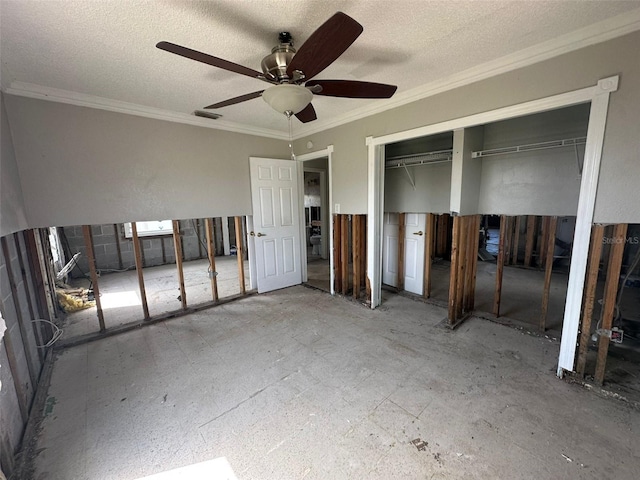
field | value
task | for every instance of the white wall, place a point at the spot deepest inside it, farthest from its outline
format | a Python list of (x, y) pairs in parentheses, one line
[(579, 69), (431, 195), (12, 212), (86, 166)]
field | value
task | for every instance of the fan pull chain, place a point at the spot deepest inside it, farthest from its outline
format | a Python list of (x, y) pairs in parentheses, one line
[(289, 115)]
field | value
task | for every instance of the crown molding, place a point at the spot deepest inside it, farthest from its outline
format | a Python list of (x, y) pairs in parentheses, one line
[(596, 33), (31, 90)]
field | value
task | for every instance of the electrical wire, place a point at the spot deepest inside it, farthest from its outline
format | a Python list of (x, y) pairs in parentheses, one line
[(57, 333), (195, 229)]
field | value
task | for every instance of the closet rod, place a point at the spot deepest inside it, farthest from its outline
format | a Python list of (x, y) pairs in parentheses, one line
[(530, 147)]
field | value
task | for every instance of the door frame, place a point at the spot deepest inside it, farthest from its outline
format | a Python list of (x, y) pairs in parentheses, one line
[(598, 96), (324, 205), (327, 152)]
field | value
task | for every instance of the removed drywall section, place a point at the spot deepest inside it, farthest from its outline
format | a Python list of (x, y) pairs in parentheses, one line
[(86, 166), (12, 212)]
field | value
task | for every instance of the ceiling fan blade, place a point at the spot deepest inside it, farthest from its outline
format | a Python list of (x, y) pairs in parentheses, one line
[(351, 89), (233, 101), (325, 45), (308, 114), (209, 59)]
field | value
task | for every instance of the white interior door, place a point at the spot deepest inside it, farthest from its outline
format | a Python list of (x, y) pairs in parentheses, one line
[(390, 249), (276, 231), (415, 226)]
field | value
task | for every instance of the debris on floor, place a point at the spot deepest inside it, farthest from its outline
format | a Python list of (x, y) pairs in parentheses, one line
[(73, 299)]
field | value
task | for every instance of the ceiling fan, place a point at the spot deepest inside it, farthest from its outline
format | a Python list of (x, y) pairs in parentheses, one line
[(290, 72)]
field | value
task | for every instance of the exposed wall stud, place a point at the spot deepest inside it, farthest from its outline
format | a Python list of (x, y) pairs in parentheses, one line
[(595, 253), (462, 266), (240, 254), (610, 294), (177, 243), (531, 229), (500, 266), (344, 252), (428, 253), (337, 249), (137, 253), (91, 259), (516, 241), (454, 271), (212, 258), (551, 225), (355, 251)]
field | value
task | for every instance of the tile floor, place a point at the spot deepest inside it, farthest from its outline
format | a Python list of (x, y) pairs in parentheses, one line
[(298, 384)]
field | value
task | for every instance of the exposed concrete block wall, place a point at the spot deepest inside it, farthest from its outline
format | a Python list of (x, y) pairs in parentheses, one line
[(20, 358), (156, 250)]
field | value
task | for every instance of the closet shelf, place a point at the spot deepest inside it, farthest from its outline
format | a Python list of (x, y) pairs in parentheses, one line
[(427, 158), (569, 142)]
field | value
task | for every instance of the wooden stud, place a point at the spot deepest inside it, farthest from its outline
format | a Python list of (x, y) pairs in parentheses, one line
[(363, 249), (428, 253), (544, 241), (17, 383), (27, 289), (177, 244), (39, 286), (91, 259), (471, 257), (595, 253), (610, 296), (240, 254), (337, 249), (462, 257), (452, 317), (212, 258), (528, 249), (116, 234), (516, 241), (508, 240), (47, 266), (31, 367), (137, 253), (552, 224), (500, 266), (344, 253), (402, 231), (355, 252), (474, 264)]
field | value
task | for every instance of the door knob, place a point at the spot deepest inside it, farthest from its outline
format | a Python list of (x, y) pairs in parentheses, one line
[(260, 234), (418, 233)]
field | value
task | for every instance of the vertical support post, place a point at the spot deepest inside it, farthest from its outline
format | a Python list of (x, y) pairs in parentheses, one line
[(401, 237), (344, 252), (177, 244), (88, 242), (337, 249), (212, 259), (500, 266), (33, 373), (595, 253), (508, 240), (428, 253), (470, 261), (116, 234), (516, 241), (544, 241), (363, 250), (462, 257), (137, 254), (454, 271), (552, 224), (528, 249), (32, 314), (39, 285), (474, 263), (17, 383), (43, 258), (610, 294), (355, 251), (240, 254)]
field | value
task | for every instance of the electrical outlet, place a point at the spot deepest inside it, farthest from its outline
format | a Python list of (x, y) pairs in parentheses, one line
[(337, 208)]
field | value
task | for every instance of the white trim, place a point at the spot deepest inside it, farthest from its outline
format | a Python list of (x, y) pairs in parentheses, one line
[(327, 152), (584, 220), (598, 95), (31, 90), (596, 33)]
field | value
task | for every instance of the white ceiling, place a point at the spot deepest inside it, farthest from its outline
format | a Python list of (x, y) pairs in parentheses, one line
[(102, 52)]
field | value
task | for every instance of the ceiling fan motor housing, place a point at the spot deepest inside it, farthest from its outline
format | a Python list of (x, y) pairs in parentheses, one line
[(274, 66)]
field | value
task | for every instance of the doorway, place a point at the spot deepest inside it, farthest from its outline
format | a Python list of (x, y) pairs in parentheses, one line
[(316, 222)]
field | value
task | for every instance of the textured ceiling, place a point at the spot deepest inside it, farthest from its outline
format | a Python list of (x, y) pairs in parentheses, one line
[(106, 48)]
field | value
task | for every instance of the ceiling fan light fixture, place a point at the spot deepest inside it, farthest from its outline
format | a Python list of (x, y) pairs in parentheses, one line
[(287, 98)]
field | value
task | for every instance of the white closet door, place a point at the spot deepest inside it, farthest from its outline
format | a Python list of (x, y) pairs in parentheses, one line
[(415, 226), (390, 249)]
